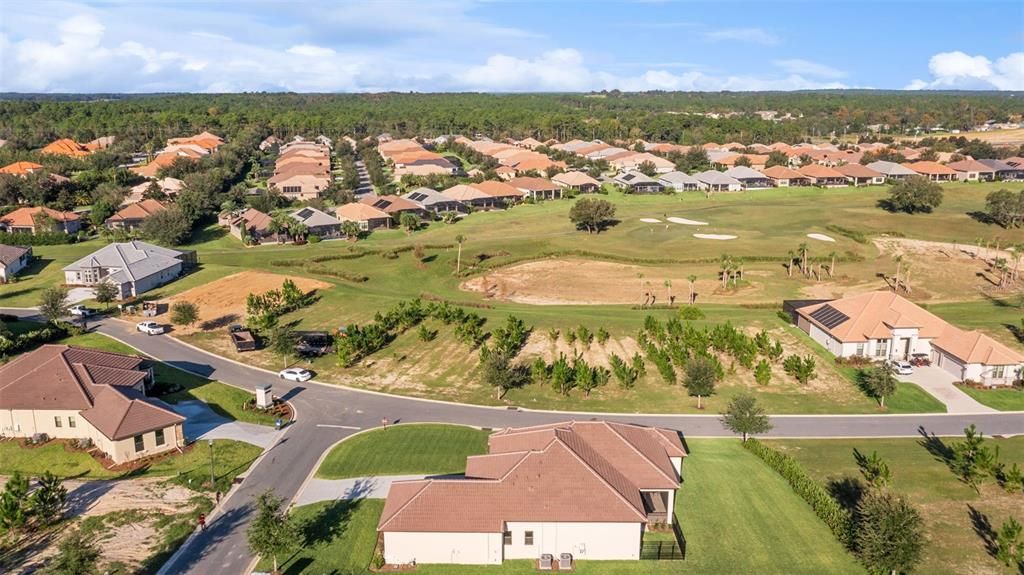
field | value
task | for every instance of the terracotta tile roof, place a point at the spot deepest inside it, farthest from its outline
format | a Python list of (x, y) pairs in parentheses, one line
[(254, 220), (20, 168), (930, 168), (976, 347), (755, 159), (817, 171), (538, 474), (359, 212), (390, 203), (137, 211), (857, 171), (162, 160), (65, 147), (782, 173), (969, 166), (503, 190), (96, 383), (575, 178), (25, 217), (873, 315), (530, 183)]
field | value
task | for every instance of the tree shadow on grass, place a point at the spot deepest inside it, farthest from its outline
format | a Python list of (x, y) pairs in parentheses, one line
[(935, 446), (329, 523), (848, 491), (983, 529)]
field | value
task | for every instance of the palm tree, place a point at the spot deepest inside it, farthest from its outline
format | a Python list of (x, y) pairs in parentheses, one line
[(458, 262), (279, 225), (725, 265), (899, 266), (668, 285), (350, 229), (298, 230), (832, 267), (906, 277), (640, 276), (1001, 266), (803, 257), (789, 263), (691, 278)]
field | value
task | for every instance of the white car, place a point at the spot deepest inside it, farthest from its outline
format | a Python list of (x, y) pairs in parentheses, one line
[(149, 327), (81, 310), (901, 367), (295, 374)]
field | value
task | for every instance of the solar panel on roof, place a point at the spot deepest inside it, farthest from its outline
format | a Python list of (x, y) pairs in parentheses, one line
[(628, 177), (829, 316), (305, 213), (381, 204), (418, 196)]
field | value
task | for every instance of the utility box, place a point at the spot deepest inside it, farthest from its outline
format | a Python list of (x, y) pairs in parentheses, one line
[(264, 399)]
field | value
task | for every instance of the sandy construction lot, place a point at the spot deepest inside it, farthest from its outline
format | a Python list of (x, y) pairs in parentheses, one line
[(222, 302)]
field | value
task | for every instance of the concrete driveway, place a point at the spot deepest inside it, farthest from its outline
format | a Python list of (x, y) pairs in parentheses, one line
[(939, 383), (201, 422), (80, 294), (354, 488)]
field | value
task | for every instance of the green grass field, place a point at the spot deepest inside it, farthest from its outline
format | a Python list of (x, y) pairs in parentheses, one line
[(769, 223), (736, 514), (404, 450), (1001, 399), (951, 509)]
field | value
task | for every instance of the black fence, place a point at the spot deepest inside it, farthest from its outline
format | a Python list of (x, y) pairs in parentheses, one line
[(661, 551)]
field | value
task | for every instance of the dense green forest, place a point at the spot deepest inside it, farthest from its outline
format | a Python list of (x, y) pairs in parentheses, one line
[(31, 121)]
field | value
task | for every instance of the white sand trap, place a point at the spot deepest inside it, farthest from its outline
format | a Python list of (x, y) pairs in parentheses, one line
[(714, 236), (821, 237), (686, 222), (650, 220)]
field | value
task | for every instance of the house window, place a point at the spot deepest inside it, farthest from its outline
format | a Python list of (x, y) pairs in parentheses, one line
[(998, 372), (882, 348), (71, 421), (159, 437), (56, 421), (293, 189), (506, 538), (528, 538), (139, 444), (860, 349)]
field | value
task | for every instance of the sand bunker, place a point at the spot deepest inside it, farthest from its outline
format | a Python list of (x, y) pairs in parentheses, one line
[(686, 222), (650, 220), (715, 236), (821, 237)]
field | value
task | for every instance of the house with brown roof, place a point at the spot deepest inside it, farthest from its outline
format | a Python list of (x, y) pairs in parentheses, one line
[(469, 195), (65, 147), (529, 187), (12, 260), (823, 176), (395, 206), (69, 392), (21, 168), (297, 183), (934, 171), (160, 161), (783, 177), (250, 223), (590, 489), (882, 325), (26, 219), (859, 175), (577, 181), (972, 171), (368, 217), (132, 216), (169, 187)]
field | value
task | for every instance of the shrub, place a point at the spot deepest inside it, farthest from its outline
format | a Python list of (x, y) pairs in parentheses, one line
[(784, 316), (584, 335), (602, 336), (800, 368), (313, 239), (40, 239), (816, 495), (763, 372), (690, 313)]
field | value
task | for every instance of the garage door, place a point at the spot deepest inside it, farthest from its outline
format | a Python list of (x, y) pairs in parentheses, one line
[(951, 365)]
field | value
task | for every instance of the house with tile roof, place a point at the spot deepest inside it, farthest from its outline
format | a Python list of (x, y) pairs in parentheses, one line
[(634, 182), (749, 177), (715, 181), (249, 223), (318, 222), (132, 216), (69, 392), (169, 187), (588, 488), (133, 267), (934, 171), (527, 187), (892, 170), (26, 219), (470, 196), (972, 171), (21, 168), (433, 201), (577, 181), (679, 181), (366, 216), (1004, 170), (12, 260), (65, 147), (395, 206), (859, 175), (823, 176), (783, 177), (882, 325)]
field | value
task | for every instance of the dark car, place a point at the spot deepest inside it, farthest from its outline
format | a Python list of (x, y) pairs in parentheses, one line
[(920, 359)]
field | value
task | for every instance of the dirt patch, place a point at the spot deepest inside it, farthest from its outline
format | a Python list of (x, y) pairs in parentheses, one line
[(539, 344), (591, 282), (222, 302)]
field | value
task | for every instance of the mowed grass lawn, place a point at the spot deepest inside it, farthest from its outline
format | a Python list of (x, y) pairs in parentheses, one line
[(1001, 399), (952, 510), (226, 400), (404, 450), (736, 514)]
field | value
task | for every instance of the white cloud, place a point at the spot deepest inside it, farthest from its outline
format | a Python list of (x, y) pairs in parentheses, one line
[(752, 35), (808, 68), (311, 51), (958, 70)]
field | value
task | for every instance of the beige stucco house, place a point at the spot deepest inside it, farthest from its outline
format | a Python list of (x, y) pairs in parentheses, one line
[(591, 489), (68, 392)]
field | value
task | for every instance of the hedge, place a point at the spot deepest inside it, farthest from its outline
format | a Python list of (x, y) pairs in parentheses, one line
[(838, 519), (40, 239)]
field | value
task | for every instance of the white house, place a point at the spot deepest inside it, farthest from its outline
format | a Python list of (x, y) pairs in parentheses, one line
[(882, 325), (133, 267), (590, 488), (12, 260)]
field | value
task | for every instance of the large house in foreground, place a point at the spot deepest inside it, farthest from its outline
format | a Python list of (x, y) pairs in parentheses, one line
[(588, 488), (133, 267), (882, 325), (69, 392)]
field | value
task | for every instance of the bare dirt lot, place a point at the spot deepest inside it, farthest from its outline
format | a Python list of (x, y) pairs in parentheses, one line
[(591, 282), (222, 302)]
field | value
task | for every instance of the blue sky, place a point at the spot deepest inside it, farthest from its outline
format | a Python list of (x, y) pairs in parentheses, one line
[(455, 45)]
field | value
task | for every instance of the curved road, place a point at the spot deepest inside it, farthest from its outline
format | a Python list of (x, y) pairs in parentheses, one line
[(327, 413)]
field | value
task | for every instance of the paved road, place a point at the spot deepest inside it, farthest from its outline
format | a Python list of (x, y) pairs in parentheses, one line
[(326, 414)]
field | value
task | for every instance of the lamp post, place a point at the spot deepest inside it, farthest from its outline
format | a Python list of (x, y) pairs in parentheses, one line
[(212, 480)]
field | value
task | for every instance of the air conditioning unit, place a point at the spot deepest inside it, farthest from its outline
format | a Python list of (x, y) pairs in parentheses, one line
[(545, 562), (565, 562)]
